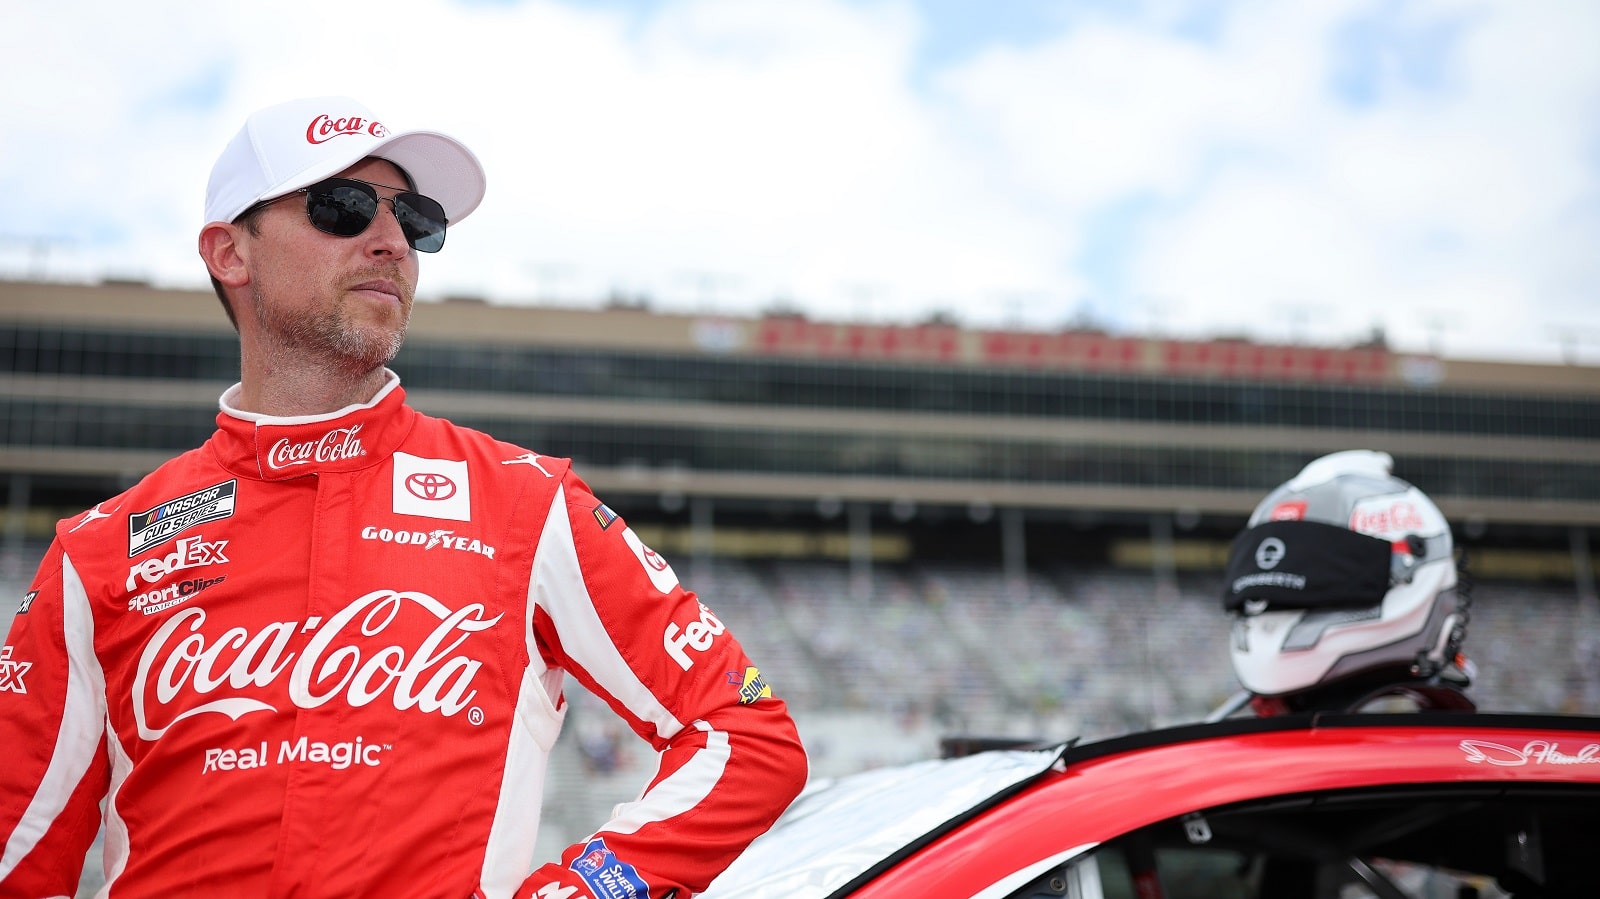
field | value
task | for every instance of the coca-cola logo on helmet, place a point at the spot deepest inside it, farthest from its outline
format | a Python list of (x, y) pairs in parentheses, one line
[(324, 128), (1388, 519)]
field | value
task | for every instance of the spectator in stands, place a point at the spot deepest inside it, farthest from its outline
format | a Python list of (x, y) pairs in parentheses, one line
[(322, 654)]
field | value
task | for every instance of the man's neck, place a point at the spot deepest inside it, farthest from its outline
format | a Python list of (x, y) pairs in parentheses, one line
[(286, 387)]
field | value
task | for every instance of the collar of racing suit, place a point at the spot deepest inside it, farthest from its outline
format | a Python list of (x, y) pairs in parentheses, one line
[(273, 448)]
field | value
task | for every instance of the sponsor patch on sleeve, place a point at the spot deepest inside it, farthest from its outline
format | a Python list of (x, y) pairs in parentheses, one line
[(11, 672), (156, 526), (661, 574), (27, 601), (752, 686), (607, 876), (604, 515)]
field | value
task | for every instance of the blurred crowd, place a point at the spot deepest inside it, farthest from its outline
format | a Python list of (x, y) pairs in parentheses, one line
[(939, 651), (935, 651)]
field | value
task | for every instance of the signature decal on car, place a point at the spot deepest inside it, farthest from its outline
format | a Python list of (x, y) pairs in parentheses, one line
[(1534, 752)]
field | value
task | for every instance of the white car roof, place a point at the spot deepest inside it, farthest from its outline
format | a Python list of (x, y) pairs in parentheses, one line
[(840, 829)]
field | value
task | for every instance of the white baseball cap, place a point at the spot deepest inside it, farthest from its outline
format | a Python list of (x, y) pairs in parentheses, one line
[(292, 145)]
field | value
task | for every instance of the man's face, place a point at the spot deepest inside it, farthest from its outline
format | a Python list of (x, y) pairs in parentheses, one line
[(346, 299)]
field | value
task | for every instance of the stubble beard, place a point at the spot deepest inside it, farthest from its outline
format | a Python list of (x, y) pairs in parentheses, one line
[(327, 336)]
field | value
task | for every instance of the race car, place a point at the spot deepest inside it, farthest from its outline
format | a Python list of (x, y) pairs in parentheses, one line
[(1347, 805)]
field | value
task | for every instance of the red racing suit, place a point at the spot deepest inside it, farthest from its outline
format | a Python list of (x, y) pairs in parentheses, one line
[(323, 656)]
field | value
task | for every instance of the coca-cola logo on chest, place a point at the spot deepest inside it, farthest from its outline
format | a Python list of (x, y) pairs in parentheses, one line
[(366, 652), (338, 443)]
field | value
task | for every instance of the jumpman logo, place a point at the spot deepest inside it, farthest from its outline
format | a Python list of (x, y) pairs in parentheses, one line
[(93, 515), (529, 459)]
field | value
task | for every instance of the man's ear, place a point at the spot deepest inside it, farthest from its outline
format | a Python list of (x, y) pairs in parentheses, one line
[(222, 248)]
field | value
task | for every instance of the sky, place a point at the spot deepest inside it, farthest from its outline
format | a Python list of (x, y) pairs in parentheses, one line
[(1306, 171)]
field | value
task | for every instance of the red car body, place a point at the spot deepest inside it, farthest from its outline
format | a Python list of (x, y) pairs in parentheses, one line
[(1501, 804)]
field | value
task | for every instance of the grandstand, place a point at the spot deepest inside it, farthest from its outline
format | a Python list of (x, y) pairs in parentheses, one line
[(917, 531)]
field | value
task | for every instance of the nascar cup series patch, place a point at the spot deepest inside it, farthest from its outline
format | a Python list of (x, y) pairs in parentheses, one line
[(607, 876), (156, 526)]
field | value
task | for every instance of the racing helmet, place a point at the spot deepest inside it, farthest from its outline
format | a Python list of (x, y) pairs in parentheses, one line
[(1344, 573)]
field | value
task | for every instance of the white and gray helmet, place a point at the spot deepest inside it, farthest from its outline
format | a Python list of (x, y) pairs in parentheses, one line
[(1344, 571)]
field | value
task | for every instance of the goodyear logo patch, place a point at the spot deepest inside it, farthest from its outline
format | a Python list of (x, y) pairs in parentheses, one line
[(156, 526), (604, 515), (752, 686), (607, 876)]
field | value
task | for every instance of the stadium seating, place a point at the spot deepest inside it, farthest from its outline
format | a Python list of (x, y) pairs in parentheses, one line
[(938, 650)]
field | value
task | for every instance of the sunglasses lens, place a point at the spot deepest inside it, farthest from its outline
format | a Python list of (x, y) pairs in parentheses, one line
[(421, 220), (344, 209)]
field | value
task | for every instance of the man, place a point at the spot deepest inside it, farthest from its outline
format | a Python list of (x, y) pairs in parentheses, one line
[(322, 654)]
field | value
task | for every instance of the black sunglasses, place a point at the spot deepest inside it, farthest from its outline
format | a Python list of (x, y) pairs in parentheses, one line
[(344, 207)]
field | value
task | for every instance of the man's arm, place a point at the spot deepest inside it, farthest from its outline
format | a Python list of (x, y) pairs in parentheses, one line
[(52, 723), (615, 617)]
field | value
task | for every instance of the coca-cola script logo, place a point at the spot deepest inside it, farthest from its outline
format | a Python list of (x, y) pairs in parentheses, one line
[(324, 128), (1385, 520), (184, 672), (430, 486), (339, 443)]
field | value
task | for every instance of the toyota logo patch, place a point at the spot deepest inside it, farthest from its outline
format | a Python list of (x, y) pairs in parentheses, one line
[(430, 486)]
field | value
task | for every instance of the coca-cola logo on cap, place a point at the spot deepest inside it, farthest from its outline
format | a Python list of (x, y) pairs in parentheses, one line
[(324, 128)]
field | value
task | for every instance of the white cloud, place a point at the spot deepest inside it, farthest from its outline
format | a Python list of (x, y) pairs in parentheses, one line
[(1283, 211), (737, 150)]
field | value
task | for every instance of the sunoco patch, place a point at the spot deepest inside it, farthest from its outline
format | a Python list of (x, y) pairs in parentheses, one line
[(752, 686), (608, 877), (156, 526)]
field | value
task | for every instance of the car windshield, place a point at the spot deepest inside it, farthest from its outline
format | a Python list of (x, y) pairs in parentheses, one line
[(839, 831), (1441, 843)]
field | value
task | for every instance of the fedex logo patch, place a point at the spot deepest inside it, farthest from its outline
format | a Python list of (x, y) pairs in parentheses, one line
[(11, 672), (191, 552)]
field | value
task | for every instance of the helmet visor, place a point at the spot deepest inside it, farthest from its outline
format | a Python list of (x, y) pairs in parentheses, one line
[(1283, 565)]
